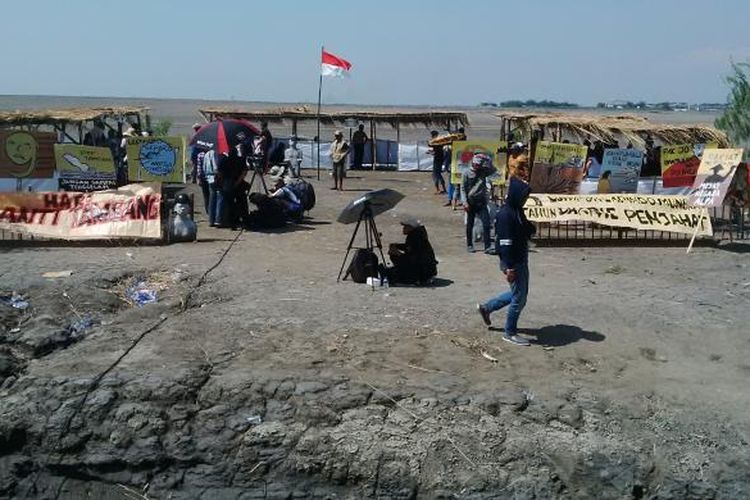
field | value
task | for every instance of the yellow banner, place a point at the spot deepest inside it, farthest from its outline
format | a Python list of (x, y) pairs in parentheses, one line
[(159, 159), (645, 212), (85, 168), (463, 152), (133, 211)]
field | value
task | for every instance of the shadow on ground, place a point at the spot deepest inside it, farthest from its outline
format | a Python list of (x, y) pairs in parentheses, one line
[(560, 335)]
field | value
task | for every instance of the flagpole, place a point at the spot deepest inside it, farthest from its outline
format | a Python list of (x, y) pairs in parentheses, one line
[(320, 93)]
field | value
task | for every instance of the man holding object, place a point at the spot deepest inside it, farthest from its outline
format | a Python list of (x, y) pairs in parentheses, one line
[(512, 233)]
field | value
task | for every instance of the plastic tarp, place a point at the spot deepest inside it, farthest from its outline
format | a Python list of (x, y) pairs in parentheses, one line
[(412, 157)]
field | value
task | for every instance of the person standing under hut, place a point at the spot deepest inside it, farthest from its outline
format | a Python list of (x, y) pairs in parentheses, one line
[(339, 151), (476, 196), (512, 232), (438, 156), (359, 139)]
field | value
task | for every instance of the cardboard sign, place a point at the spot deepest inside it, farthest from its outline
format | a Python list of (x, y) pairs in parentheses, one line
[(463, 152), (558, 167), (679, 163), (714, 176), (26, 155), (133, 211), (85, 168), (160, 159), (659, 213), (624, 166)]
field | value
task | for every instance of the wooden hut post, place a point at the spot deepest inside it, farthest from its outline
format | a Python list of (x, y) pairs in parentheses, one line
[(374, 145), (294, 127)]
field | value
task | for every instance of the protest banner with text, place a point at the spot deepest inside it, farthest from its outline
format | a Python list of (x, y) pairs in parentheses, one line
[(624, 166), (27, 155), (680, 162), (132, 211), (84, 168), (659, 213), (160, 159), (463, 152), (558, 167), (714, 177)]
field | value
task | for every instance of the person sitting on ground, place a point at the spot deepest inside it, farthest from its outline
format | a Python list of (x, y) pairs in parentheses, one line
[(287, 197), (269, 213), (414, 260)]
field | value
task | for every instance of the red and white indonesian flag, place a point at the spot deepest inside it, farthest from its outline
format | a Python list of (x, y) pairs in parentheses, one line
[(334, 66)]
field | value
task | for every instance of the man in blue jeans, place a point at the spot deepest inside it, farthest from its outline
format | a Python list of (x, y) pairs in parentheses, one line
[(512, 234)]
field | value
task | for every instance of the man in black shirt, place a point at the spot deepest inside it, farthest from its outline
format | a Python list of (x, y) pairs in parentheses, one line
[(359, 139)]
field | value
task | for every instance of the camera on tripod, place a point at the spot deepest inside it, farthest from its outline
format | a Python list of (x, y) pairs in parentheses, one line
[(255, 163)]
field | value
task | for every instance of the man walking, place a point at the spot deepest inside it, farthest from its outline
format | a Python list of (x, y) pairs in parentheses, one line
[(339, 151), (475, 194), (513, 232), (359, 139)]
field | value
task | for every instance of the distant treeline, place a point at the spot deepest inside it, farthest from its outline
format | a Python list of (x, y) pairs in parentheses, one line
[(662, 106), (530, 103)]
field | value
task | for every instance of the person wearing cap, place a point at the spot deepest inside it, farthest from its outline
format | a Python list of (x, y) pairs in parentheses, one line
[(476, 195), (512, 233), (339, 151), (414, 260)]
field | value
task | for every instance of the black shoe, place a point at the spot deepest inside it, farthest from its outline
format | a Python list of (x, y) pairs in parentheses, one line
[(485, 314), (490, 251)]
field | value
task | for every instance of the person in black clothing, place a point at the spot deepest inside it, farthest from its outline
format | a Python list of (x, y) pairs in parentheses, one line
[(359, 139), (267, 144), (414, 260), (512, 232), (438, 156), (475, 195), (233, 169)]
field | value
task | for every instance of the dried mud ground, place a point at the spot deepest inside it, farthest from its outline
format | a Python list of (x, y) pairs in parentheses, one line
[(267, 379)]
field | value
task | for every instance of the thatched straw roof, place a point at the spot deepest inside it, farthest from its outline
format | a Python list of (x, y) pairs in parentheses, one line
[(70, 115), (607, 128), (305, 113)]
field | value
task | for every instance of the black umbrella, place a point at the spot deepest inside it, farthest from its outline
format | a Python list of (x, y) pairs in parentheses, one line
[(223, 135), (377, 201)]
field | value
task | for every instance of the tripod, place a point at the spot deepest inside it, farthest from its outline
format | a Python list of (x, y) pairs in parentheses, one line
[(254, 162), (372, 237)]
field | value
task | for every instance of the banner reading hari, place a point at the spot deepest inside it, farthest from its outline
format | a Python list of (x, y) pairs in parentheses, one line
[(658, 213), (133, 211)]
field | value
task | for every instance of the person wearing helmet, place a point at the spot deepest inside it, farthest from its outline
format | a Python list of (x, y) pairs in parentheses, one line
[(476, 195)]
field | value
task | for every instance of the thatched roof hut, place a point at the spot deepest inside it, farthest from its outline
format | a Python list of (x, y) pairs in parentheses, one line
[(66, 116), (442, 119), (610, 128)]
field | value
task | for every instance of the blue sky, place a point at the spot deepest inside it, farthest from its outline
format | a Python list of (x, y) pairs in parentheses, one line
[(420, 52)]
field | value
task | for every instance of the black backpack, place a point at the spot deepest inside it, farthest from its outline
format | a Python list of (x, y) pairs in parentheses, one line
[(306, 194), (364, 265)]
